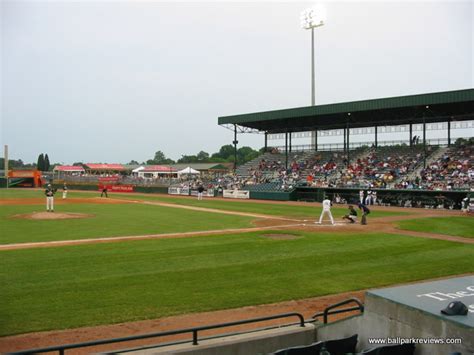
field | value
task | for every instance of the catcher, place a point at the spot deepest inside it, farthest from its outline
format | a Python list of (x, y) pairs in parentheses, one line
[(352, 216)]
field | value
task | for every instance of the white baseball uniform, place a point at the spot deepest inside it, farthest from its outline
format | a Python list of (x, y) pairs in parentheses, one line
[(326, 210)]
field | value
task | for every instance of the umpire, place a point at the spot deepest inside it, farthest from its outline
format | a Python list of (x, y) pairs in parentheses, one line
[(365, 212)]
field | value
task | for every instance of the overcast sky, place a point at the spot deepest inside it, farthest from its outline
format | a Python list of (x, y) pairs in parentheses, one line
[(109, 81)]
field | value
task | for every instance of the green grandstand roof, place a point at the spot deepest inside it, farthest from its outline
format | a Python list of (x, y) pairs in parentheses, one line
[(455, 105)]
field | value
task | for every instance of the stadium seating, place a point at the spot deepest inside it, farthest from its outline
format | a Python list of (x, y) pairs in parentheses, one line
[(453, 170), (312, 349), (405, 349), (341, 346), (333, 347), (382, 166)]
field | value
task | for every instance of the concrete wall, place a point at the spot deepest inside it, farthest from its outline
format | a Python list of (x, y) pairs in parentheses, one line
[(261, 342), (383, 318)]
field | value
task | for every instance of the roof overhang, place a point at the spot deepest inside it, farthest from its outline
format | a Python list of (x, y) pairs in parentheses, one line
[(433, 107)]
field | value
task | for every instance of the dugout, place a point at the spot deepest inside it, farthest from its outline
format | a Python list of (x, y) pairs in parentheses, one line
[(389, 197), (440, 107), (24, 178)]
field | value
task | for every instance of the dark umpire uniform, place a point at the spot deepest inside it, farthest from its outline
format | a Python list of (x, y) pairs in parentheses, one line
[(365, 212)]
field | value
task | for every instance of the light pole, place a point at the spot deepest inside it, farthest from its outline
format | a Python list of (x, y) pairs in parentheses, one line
[(310, 19)]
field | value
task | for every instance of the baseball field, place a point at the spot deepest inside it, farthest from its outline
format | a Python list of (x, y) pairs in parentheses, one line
[(133, 257)]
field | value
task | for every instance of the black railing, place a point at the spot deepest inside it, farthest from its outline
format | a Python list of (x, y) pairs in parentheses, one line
[(327, 311), (62, 348)]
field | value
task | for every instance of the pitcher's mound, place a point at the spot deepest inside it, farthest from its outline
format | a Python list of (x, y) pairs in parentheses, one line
[(52, 215)]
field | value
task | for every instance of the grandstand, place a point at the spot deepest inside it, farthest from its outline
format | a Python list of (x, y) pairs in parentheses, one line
[(412, 163)]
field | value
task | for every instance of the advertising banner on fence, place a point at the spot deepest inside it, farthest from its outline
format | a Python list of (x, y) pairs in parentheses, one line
[(244, 194), (116, 188), (108, 179), (206, 193), (174, 191)]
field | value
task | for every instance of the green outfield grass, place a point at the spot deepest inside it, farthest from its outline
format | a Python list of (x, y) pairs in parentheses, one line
[(35, 193), (309, 210), (109, 221), (461, 226), (67, 287)]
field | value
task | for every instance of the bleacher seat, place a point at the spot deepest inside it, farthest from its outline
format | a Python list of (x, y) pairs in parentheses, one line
[(312, 349), (334, 347), (341, 346), (405, 349)]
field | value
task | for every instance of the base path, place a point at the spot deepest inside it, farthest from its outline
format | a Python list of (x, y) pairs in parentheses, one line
[(141, 237), (262, 222)]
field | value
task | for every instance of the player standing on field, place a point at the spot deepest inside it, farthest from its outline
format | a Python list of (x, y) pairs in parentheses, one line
[(200, 191), (326, 210), (49, 192), (365, 212), (64, 191), (352, 216)]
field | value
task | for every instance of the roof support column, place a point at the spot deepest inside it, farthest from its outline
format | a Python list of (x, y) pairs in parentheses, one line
[(424, 141), (411, 134), (290, 134), (316, 140), (376, 137), (348, 146), (266, 141), (286, 150), (345, 137), (449, 133), (235, 142)]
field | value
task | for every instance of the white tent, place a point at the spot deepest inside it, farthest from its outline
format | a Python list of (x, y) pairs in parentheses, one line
[(138, 169), (188, 170)]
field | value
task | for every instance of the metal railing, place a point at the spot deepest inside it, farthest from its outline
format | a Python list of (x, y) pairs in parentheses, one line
[(354, 145), (62, 348), (327, 311)]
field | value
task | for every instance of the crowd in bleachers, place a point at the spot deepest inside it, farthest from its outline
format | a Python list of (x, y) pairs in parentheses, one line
[(452, 171), (382, 166)]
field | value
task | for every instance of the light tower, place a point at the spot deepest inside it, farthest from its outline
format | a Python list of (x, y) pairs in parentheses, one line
[(310, 19)]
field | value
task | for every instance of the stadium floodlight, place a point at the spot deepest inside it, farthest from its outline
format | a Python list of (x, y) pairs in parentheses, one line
[(310, 19), (313, 17)]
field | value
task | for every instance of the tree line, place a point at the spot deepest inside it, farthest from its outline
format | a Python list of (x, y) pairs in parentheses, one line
[(224, 155)]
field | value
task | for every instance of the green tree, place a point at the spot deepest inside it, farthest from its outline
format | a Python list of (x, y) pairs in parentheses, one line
[(133, 162), (202, 156), (40, 162), (160, 158), (246, 154), (226, 152), (46, 163), (188, 159)]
